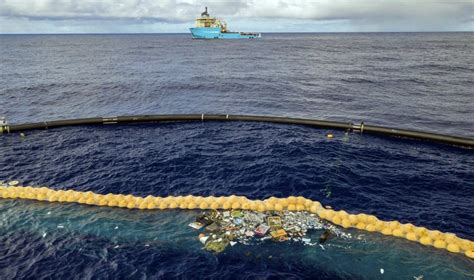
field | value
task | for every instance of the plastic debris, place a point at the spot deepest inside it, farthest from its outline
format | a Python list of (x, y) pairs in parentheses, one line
[(279, 235), (237, 214), (274, 222), (203, 239), (13, 183), (382, 271), (217, 246), (326, 234), (218, 229), (212, 227), (196, 225), (261, 230), (204, 220)]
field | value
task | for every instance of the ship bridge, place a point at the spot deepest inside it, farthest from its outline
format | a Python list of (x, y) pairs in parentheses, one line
[(207, 21)]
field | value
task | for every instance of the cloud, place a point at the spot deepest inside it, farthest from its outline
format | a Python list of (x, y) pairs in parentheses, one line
[(372, 14)]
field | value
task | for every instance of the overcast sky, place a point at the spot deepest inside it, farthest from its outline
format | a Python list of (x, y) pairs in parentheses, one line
[(144, 16)]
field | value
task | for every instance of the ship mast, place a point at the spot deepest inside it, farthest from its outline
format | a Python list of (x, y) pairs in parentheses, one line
[(205, 13)]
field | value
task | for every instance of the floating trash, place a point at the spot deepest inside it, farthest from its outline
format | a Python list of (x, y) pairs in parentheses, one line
[(196, 225), (324, 236), (218, 229)]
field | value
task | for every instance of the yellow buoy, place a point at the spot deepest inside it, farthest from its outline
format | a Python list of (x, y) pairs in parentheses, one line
[(90, 201), (420, 231), (469, 254), (434, 234), (226, 205), (393, 224), (308, 203), (164, 205), (386, 231), (171, 205), (397, 232), (112, 203), (346, 223), (411, 236), (379, 226), (453, 248), (329, 214), (278, 207), (426, 240), (283, 202), (336, 219), (342, 214), (321, 213), (465, 244), (122, 203), (360, 225), (103, 202), (362, 218), (246, 206), (69, 198), (235, 205), (407, 227), (450, 237), (440, 244), (215, 205), (269, 205), (353, 219), (370, 227), (292, 200)]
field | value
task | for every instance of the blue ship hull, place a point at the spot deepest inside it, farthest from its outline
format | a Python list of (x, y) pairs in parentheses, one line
[(215, 33)]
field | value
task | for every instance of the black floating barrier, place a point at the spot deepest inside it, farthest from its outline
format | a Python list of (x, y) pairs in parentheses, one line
[(463, 142)]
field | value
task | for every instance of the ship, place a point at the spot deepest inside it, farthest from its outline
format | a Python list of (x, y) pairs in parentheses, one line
[(208, 27)]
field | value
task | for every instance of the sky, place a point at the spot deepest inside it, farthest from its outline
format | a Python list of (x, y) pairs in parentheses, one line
[(176, 16)]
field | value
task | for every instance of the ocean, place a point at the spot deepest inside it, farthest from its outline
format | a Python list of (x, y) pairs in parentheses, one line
[(421, 81)]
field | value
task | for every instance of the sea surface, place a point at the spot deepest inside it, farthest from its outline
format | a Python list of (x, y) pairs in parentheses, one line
[(421, 81)]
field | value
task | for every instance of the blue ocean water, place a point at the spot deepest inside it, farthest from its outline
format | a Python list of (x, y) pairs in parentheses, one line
[(416, 80)]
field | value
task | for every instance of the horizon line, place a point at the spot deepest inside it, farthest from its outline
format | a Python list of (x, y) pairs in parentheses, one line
[(264, 32)]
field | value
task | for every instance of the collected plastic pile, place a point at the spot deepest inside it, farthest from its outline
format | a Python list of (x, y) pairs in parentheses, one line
[(219, 229)]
